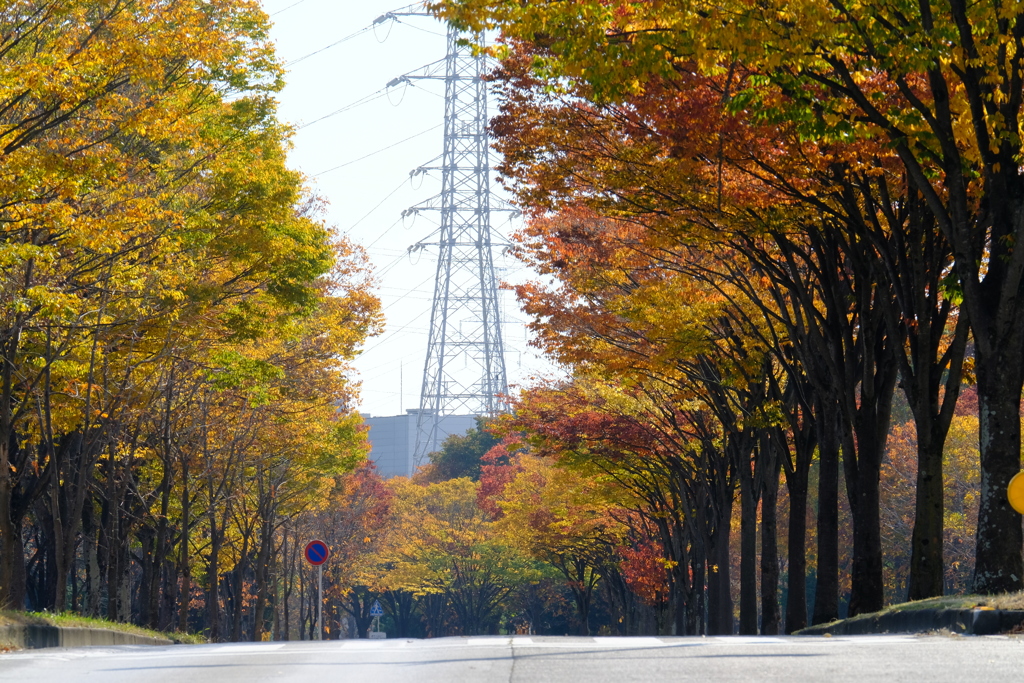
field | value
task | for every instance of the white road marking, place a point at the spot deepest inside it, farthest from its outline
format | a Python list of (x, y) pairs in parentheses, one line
[(899, 639), (614, 642), (489, 640), (365, 644), (635, 641), (750, 640), (246, 648)]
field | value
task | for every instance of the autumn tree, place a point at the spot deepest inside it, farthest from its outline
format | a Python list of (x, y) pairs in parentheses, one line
[(175, 320), (938, 83), (566, 519), (355, 523), (443, 546), (671, 463), (460, 454)]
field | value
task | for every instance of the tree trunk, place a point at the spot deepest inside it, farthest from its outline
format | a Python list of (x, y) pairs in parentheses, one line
[(238, 588), (719, 585), (797, 466), (867, 589), (697, 625), (932, 376), (926, 542), (575, 570), (60, 570), (92, 563), (12, 556), (770, 614), (870, 410), (146, 537), (213, 577), (302, 604), (168, 594), (400, 605), (288, 578), (184, 559), (999, 566), (796, 594), (113, 535), (748, 551), (160, 539), (359, 603), (263, 556), (826, 590), (79, 452), (56, 474)]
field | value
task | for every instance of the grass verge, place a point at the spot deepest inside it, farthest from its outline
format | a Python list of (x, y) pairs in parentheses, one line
[(1005, 601), (1010, 601), (76, 621)]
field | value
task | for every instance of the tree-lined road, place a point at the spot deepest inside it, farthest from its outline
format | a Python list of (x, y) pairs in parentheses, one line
[(523, 659)]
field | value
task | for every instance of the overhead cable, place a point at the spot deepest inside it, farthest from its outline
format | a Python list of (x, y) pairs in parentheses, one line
[(379, 204), (288, 7), (380, 236), (388, 16), (364, 100), (382, 149), (392, 333), (328, 47)]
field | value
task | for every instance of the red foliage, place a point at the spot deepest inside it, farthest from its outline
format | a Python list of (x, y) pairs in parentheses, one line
[(361, 511), (643, 568), (364, 490), (499, 468)]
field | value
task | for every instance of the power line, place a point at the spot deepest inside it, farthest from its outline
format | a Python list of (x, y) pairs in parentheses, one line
[(361, 101), (328, 47), (424, 30), (389, 228), (392, 265), (386, 269), (379, 204), (388, 252), (358, 103), (393, 16), (394, 332), (386, 363), (382, 374), (382, 149), (405, 296), (397, 221), (405, 290), (288, 7)]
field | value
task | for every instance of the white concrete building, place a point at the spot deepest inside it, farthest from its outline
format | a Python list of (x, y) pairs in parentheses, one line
[(393, 440)]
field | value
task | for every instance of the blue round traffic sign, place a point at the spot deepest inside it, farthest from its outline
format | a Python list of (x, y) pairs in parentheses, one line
[(317, 552)]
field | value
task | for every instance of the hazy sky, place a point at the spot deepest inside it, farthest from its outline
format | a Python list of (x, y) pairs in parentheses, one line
[(359, 160)]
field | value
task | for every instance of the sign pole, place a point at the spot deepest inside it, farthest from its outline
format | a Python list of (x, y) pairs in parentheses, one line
[(320, 602), (316, 554), (376, 611)]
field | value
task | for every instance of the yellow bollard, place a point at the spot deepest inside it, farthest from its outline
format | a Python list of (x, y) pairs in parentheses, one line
[(1015, 492)]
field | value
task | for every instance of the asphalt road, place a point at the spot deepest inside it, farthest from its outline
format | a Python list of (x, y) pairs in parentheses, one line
[(523, 659)]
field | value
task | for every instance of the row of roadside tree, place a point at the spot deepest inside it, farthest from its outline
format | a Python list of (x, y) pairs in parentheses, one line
[(763, 229), (176, 322)]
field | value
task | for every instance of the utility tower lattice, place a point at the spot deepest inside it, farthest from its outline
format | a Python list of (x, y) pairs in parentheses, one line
[(464, 371)]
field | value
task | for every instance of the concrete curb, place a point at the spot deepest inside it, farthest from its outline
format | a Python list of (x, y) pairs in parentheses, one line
[(31, 636), (977, 621)]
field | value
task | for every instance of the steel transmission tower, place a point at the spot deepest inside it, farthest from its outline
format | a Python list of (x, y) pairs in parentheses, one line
[(464, 371)]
